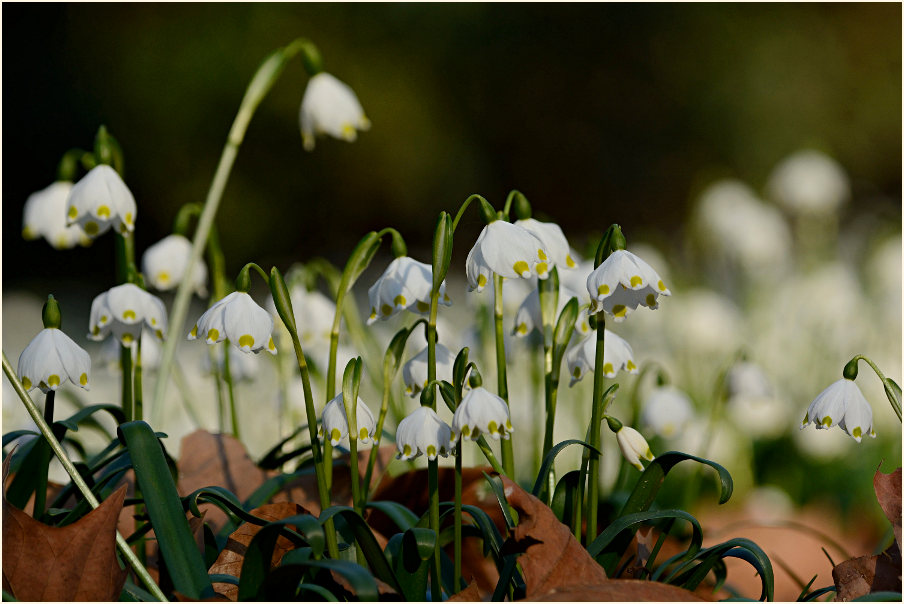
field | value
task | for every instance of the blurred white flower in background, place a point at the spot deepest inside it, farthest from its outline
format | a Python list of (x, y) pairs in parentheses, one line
[(165, 263), (752, 404), (809, 182), (44, 215), (330, 107), (150, 352), (122, 310), (666, 411), (617, 356), (414, 372), (242, 367)]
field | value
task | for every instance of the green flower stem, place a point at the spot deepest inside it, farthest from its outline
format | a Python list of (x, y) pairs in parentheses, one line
[(595, 423), (260, 85), (484, 447), (502, 383), (464, 206), (125, 361), (550, 382), (218, 386), (44, 427), (124, 250), (378, 437), (41, 488), (433, 466), (230, 388), (137, 397), (456, 573), (894, 404)]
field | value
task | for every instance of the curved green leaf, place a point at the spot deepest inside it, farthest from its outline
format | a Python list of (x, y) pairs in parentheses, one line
[(174, 537), (411, 553), (323, 592), (564, 329), (398, 513), (11, 436), (442, 249), (819, 592), (72, 422), (880, 596), (274, 458), (366, 542), (621, 524), (503, 502), (543, 474), (361, 581), (566, 496), (689, 576)]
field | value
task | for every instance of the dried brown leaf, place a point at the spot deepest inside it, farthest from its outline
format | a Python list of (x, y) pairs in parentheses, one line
[(471, 593), (888, 492), (74, 562), (552, 559), (867, 574), (620, 590), (230, 560)]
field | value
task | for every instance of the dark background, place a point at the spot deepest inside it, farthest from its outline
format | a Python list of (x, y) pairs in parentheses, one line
[(597, 112)]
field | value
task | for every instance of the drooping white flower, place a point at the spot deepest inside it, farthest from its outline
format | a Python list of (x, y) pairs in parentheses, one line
[(101, 200), (528, 316), (122, 310), (622, 283), (238, 318), (405, 284), (414, 372), (481, 411), (334, 421), (633, 446), (164, 265), (44, 215), (423, 433), (809, 182), (50, 359), (242, 367), (330, 107), (843, 405), (666, 411), (507, 250), (554, 241), (617, 353)]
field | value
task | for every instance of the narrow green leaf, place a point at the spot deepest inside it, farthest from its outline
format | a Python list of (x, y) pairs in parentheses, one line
[(447, 391), (620, 524), (398, 513), (503, 502), (893, 392), (174, 537), (11, 436), (361, 581), (563, 331), (442, 249), (546, 466), (72, 422), (321, 591), (359, 260), (880, 596), (393, 358), (821, 592), (366, 541), (505, 577), (565, 497), (460, 370)]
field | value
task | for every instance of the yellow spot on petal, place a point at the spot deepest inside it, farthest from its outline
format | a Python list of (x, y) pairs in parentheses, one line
[(53, 380), (362, 434), (103, 212), (95, 330), (493, 427), (348, 131), (541, 254), (212, 335), (607, 368), (619, 310), (431, 451), (630, 366), (481, 280), (542, 267), (521, 268), (857, 433), (335, 436), (651, 300), (603, 289), (661, 286), (465, 431), (636, 281), (163, 277), (271, 345), (129, 314), (569, 261), (386, 309), (26, 383), (29, 233), (399, 300), (522, 328), (577, 372), (127, 338), (423, 306), (153, 321), (159, 334), (91, 228), (104, 319), (83, 379), (406, 450), (61, 242), (827, 421), (194, 332), (508, 425), (373, 314), (246, 340), (129, 218), (73, 213), (446, 298), (123, 228)]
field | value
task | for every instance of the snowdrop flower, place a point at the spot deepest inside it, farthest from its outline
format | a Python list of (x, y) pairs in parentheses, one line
[(101, 200), (122, 310), (617, 356), (631, 442), (423, 433), (554, 241), (330, 107), (50, 359), (335, 422), (242, 367), (405, 284), (110, 352), (164, 265), (528, 317), (621, 283), (238, 318), (507, 250), (841, 404), (414, 372), (809, 182), (44, 215), (667, 410), (482, 411)]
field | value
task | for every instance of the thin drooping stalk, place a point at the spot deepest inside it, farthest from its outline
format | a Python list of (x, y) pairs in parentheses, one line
[(41, 488), (433, 465), (895, 404), (456, 575), (124, 252), (137, 395), (230, 388), (77, 479), (595, 423), (508, 463)]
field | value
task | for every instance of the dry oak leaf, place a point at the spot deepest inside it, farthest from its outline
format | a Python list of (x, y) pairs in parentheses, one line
[(469, 594), (888, 492), (71, 563), (552, 559), (621, 590), (230, 560)]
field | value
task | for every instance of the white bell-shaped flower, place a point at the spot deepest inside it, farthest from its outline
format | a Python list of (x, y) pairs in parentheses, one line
[(506, 250), (122, 310), (44, 215), (809, 182), (622, 283), (237, 317), (405, 284), (633, 446), (101, 200), (554, 241), (666, 411), (334, 421), (617, 356), (164, 265), (423, 433), (414, 372), (528, 317), (843, 405), (330, 107), (481, 411), (50, 359)]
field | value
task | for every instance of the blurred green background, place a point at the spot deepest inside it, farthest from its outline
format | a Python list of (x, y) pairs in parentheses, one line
[(597, 112)]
